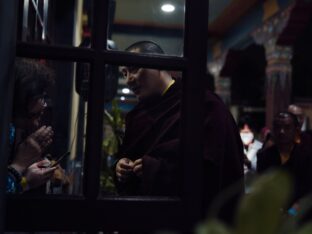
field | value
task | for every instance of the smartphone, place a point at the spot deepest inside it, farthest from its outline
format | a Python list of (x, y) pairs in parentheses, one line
[(59, 159)]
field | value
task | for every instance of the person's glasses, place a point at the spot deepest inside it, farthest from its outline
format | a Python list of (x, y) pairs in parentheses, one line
[(41, 101)]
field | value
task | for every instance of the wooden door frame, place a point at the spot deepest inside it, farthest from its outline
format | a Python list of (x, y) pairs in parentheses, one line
[(88, 213)]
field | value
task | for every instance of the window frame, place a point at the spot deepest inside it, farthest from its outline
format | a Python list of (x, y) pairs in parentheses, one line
[(88, 213)]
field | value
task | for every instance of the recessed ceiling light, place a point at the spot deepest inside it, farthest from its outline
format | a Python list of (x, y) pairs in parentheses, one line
[(167, 8), (125, 91)]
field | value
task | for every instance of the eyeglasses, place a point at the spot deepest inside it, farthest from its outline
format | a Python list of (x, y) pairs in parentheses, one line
[(40, 105)]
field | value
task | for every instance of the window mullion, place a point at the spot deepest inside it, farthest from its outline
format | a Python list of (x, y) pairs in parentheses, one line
[(92, 163), (195, 50)]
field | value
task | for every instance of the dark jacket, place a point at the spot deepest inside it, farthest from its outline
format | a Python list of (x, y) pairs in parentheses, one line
[(299, 166)]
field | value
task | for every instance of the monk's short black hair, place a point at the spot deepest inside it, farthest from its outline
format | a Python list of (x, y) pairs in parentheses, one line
[(285, 114), (146, 47)]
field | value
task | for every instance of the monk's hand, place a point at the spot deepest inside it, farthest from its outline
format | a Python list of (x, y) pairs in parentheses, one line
[(138, 167), (124, 168)]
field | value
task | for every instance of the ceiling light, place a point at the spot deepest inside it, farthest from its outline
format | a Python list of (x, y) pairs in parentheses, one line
[(122, 98), (125, 91), (167, 8)]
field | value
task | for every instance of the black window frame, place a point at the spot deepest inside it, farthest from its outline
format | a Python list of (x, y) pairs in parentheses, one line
[(88, 213)]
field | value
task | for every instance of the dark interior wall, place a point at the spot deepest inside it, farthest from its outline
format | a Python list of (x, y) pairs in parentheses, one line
[(248, 77), (302, 65)]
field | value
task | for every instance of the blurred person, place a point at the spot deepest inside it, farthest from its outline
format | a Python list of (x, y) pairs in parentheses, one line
[(287, 154), (149, 162), (251, 145), (32, 82), (304, 136), (299, 113), (28, 139)]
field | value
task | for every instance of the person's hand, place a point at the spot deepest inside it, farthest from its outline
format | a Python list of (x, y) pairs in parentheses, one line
[(39, 173), (124, 169), (30, 150), (138, 167), (59, 176), (43, 136)]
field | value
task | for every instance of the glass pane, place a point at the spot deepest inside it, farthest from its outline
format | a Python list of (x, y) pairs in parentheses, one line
[(70, 23), (154, 20), (148, 142), (54, 22), (47, 131)]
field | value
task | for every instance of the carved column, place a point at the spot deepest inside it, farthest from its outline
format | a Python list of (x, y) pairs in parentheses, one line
[(278, 71), (278, 80)]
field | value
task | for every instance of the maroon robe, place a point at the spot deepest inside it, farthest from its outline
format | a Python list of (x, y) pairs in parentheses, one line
[(306, 139), (299, 166), (152, 133), (223, 157)]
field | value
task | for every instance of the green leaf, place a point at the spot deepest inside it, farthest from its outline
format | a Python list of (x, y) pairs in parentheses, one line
[(305, 205), (108, 117), (212, 227), (114, 129), (307, 229), (260, 211)]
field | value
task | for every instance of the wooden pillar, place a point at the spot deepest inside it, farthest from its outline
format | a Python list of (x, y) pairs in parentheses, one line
[(278, 71), (222, 84), (278, 80)]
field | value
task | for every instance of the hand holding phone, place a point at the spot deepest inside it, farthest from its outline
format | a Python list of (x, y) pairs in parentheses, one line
[(59, 159)]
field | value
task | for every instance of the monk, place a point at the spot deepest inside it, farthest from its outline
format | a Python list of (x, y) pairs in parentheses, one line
[(288, 154), (305, 136), (149, 159)]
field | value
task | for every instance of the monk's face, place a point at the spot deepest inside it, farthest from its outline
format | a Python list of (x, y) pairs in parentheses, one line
[(144, 82), (284, 130)]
